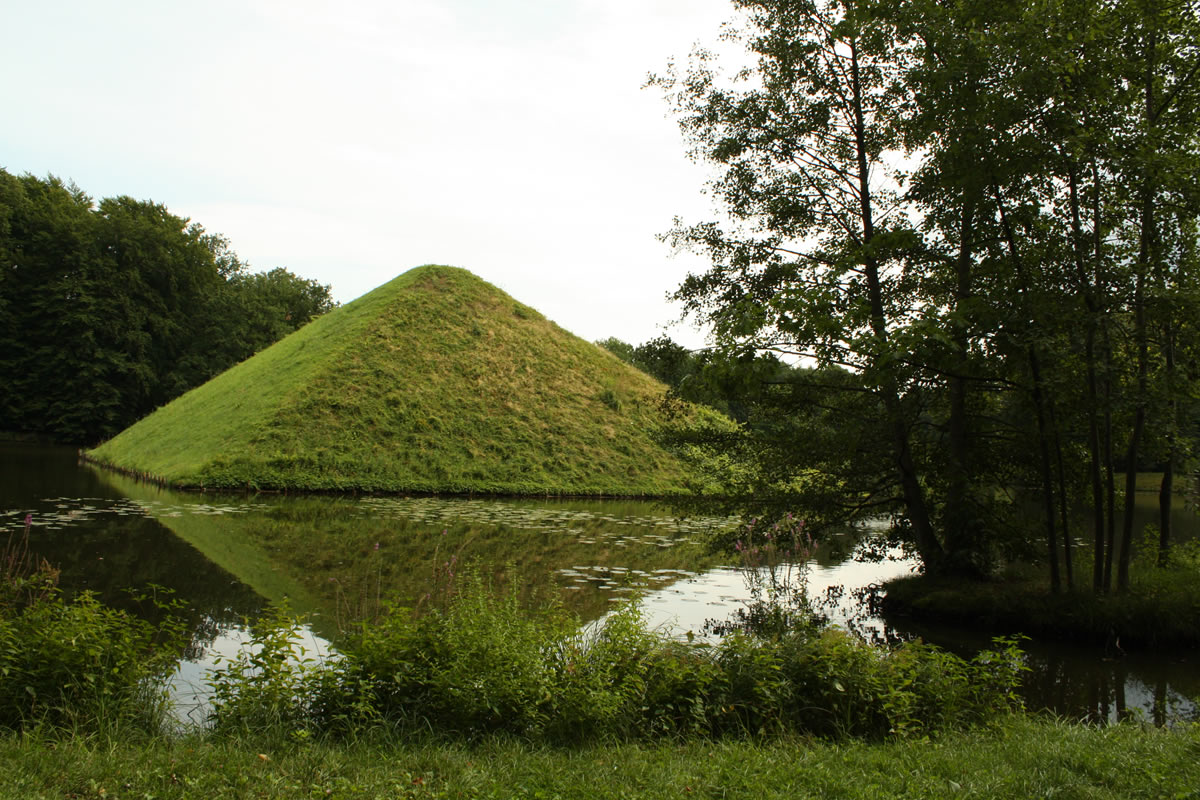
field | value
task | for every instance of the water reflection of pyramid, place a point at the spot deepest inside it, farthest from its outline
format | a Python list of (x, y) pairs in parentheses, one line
[(436, 381)]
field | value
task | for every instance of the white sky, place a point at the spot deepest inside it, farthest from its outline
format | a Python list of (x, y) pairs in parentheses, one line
[(351, 141)]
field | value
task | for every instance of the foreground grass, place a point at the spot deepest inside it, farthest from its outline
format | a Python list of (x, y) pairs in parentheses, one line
[(1019, 757), (435, 382)]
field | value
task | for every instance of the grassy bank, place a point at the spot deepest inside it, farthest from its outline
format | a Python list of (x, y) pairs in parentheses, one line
[(1160, 610), (435, 382), (1018, 757)]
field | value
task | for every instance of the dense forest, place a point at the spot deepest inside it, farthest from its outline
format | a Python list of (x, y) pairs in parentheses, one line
[(109, 310), (975, 227)]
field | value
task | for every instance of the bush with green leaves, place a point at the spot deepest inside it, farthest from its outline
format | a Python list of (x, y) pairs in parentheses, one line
[(479, 664), (843, 686), (482, 663), (268, 685), (79, 664)]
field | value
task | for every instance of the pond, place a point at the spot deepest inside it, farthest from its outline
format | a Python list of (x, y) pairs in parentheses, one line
[(338, 559)]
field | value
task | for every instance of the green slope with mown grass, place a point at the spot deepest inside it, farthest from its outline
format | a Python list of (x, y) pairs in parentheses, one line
[(434, 382)]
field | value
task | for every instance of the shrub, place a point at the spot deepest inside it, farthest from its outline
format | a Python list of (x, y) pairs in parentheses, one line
[(75, 664), (599, 676), (843, 686), (273, 683), (481, 664), (80, 664)]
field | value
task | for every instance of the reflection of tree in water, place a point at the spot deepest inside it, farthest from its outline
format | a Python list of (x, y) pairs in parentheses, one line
[(1108, 690), (35, 471), (1081, 683), (204, 631)]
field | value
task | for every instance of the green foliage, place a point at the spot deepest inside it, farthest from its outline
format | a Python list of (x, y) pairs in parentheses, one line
[(109, 310), (77, 664), (849, 688), (985, 214), (432, 382), (479, 665), (620, 349), (257, 309), (266, 685)]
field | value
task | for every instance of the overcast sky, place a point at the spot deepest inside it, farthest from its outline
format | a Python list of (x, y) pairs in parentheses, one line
[(350, 141)]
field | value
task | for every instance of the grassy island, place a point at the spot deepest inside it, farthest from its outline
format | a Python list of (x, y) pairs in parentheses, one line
[(435, 382)]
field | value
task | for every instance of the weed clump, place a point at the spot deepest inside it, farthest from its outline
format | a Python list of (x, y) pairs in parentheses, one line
[(480, 664), (75, 663)]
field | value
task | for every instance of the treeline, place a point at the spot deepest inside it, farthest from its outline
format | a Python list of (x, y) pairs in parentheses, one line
[(110, 310), (986, 213), (728, 382)]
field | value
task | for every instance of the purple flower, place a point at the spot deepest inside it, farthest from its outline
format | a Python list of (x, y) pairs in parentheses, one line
[(28, 520), (377, 545)]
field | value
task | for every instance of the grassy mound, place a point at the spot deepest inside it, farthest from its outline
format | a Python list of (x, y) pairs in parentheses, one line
[(434, 382)]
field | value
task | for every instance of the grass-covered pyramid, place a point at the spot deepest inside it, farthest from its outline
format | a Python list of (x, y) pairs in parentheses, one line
[(436, 381)]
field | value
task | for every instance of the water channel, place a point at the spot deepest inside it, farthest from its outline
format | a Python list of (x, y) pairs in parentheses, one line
[(338, 559)]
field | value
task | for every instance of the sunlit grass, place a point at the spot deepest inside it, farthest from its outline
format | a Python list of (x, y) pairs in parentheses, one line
[(436, 381)]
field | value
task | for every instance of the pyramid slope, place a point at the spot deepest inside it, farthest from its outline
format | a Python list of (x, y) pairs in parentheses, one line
[(435, 382)]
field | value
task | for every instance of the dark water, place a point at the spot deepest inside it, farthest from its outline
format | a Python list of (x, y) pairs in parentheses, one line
[(338, 559)]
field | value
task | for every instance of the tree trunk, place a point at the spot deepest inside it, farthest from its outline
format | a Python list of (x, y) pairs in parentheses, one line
[(1044, 460), (1110, 478), (1089, 292), (914, 495), (1135, 437), (1039, 401), (1167, 488), (1147, 251), (1064, 517), (1094, 459), (962, 528)]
